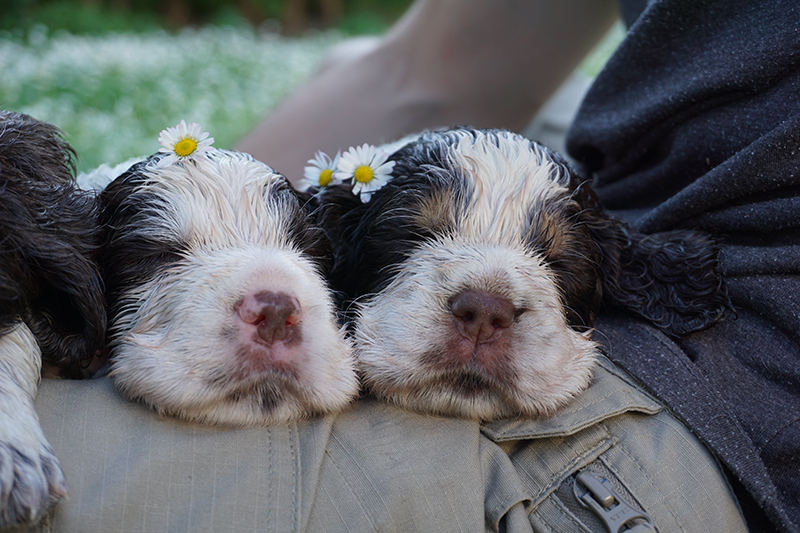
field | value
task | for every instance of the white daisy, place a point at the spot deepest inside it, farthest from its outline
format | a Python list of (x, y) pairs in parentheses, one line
[(183, 143), (366, 165), (320, 171)]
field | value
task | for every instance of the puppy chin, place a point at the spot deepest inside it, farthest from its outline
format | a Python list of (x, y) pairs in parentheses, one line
[(424, 360), (196, 344), (478, 269)]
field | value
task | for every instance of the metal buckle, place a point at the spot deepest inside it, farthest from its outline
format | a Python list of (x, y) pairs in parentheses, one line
[(597, 494)]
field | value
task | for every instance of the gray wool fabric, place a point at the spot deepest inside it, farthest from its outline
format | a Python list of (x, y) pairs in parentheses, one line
[(695, 123)]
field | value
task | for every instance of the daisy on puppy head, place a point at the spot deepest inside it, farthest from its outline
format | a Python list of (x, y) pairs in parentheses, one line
[(475, 271)]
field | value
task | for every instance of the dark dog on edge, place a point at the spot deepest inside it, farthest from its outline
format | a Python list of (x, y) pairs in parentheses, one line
[(52, 311), (475, 273)]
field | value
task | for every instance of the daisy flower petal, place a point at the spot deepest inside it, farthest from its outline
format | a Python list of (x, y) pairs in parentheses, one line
[(367, 167), (320, 171), (184, 143)]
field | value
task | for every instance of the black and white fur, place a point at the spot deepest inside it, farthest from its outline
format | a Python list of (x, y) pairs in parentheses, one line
[(219, 312), (475, 275), (52, 311)]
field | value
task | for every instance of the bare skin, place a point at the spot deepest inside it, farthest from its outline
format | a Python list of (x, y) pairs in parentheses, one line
[(486, 63)]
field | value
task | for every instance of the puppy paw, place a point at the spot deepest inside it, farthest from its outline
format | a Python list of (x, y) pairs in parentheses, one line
[(31, 481)]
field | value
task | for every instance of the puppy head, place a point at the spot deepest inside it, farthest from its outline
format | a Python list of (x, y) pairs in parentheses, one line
[(473, 262), (48, 241), (476, 273), (219, 311)]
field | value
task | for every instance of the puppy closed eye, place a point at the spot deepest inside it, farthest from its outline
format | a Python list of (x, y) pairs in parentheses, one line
[(214, 271)]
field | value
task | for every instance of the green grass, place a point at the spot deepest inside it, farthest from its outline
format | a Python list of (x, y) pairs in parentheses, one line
[(113, 94)]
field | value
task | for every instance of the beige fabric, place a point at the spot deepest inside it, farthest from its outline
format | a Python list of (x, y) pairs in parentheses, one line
[(372, 468), (620, 432)]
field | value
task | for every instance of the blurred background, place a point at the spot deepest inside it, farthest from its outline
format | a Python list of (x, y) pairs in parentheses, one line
[(288, 17), (113, 73)]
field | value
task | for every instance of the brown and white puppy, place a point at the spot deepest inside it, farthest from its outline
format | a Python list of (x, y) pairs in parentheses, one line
[(52, 311), (476, 272), (219, 312)]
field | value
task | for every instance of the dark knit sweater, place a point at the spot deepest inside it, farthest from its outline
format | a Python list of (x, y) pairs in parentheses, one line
[(695, 123)]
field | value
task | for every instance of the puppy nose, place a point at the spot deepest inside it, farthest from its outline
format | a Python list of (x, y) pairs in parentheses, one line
[(481, 315), (276, 315)]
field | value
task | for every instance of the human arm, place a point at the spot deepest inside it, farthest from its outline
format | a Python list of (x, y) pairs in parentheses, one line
[(478, 62)]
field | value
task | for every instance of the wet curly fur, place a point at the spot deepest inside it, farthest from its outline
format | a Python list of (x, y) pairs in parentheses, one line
[(507, 222), (52, 310)]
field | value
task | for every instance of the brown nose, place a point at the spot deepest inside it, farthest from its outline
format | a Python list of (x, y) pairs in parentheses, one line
[(482, 315), (276, 315)]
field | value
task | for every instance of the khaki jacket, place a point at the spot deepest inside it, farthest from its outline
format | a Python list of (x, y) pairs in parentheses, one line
[(375, 467)]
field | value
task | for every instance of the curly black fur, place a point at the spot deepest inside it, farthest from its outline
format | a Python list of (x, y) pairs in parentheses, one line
[(48, 242), (671, 279)]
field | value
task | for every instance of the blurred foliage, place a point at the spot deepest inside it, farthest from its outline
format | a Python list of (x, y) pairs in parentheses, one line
[(77, 18), (95, 17), (593, 63), (113, 73), (112, 94)]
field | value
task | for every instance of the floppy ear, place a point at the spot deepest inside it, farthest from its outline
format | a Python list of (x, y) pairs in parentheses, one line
[(305, 230), (48, 243), (671, 278), (47, 277), (340, 214), (67, 312), (15, 274)]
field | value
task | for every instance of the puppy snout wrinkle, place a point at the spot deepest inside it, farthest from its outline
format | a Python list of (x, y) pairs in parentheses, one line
[(482, 316), (276, 315)]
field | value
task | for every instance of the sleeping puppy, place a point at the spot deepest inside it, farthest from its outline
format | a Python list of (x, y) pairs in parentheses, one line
[(218, 310), (52, 312), (475, 274)]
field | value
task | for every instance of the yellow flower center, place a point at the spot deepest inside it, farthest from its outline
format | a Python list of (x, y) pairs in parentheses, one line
[(363, 174), (325, 177), (185, 147)]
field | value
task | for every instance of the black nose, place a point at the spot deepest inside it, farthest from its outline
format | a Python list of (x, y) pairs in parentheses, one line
[(482, 315)]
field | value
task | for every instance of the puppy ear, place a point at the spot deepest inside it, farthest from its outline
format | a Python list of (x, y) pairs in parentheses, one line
[(48, 243), (671, 279), (68, 312), (306, 231), (48, 276), (14, 273), (309, 200), (340, 215)]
